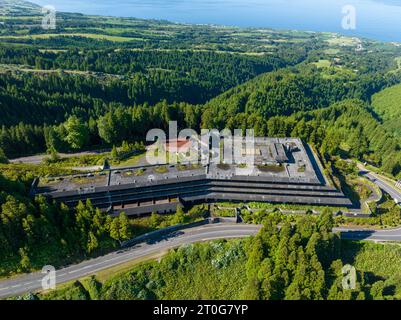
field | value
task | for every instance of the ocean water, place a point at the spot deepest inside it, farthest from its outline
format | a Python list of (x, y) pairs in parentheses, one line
[(375, 19)]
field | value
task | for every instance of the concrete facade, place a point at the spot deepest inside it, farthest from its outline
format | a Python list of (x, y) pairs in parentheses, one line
[(291, 174)]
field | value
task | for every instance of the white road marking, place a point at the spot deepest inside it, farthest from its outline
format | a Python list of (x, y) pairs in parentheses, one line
[(205, 233)]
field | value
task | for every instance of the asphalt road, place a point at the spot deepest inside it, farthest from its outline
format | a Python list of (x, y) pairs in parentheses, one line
[(38, 159), (375, 235), (32, 282), (371, 235), (384, 185)]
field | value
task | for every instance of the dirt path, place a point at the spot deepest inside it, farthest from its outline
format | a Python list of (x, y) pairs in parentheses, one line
[(38, 159)]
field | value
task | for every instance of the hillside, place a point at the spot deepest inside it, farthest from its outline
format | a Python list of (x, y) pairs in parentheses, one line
[(19, 8), (291, 90), (104, 73), (301, 262), (387, 104), (101, 83)]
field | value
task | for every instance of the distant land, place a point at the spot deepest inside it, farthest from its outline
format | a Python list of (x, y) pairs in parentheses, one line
[(376, 19)]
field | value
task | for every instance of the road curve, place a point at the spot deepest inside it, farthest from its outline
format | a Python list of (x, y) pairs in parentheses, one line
[(384, 185), (374, 235), (379, 181), (32, 282)]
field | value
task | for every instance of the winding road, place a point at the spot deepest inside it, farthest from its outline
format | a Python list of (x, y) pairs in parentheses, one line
[(384, 185), (374, 235), (380, 182), (33, 282)]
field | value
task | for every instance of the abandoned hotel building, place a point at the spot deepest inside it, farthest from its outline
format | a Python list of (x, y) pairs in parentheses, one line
[(285, 170)]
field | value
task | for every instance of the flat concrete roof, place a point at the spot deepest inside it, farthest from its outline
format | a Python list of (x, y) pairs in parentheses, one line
[(290, 174), (298, 168)]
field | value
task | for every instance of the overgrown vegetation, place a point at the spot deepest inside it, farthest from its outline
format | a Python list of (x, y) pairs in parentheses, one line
[(34, 232), (387, 105), (301, 261), (102, 83)]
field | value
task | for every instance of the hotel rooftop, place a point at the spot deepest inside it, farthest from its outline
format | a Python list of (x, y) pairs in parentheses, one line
[(284, 170)]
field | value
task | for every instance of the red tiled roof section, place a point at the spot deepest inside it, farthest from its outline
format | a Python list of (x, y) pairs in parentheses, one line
[(178, 145)]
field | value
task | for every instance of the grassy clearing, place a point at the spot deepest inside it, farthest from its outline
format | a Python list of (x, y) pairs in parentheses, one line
[(202, 280), (129, 162), (83, 35), (336, 72), (221, 212), (79, 161), (322, 64), (28, 172), (332, 51), (96, 160), (105, 275), (342, 41)]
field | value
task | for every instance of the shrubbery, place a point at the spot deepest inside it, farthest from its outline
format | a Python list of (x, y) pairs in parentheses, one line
[(296, 261)]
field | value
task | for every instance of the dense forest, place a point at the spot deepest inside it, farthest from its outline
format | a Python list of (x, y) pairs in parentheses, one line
[(35, 231), (386, 104), (296, 262), (102, 83), (347, 128), (288, 91), (128, 77), (108, 96)]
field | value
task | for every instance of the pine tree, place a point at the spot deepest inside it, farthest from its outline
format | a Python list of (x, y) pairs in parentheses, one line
[(3, 158), (179, 216), (25, 262), (114, 153), (93, 243), (252, 289), (255, 257), (125, 232), (376, 290), (77, 133), (115, 229)]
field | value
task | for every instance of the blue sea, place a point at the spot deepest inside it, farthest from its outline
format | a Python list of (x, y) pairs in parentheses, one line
[(375, 19)]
